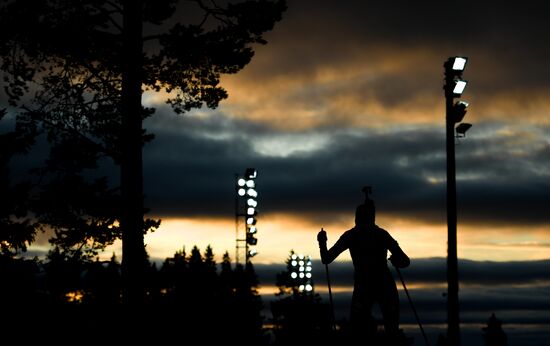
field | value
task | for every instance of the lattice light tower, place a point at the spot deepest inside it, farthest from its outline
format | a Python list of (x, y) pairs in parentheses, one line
[(246, 211)]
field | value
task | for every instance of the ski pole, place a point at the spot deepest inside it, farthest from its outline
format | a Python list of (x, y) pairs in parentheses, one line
[(332, 317), (333, 322), (412, 306)]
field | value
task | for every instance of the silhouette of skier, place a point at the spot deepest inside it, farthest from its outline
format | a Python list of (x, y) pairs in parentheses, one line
[(368, 245)]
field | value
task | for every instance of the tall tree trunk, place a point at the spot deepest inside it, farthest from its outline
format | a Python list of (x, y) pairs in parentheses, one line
[(131, 177)]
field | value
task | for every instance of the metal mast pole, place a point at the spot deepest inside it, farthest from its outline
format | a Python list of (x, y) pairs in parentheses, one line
[(237, 259), (453, 326)]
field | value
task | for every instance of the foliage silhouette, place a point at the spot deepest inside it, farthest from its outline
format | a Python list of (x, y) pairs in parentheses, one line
[(17, 228), (299, 316), (78, 71), (226, 302), (210, 302)]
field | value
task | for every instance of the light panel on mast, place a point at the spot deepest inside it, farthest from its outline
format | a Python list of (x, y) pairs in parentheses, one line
[(459, 63), (459, 87), (250, 173)]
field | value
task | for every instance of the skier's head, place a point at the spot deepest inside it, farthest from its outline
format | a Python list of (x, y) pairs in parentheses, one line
[(365, 214)]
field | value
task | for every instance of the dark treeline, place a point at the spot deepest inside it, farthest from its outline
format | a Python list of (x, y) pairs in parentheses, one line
[(62, 299)]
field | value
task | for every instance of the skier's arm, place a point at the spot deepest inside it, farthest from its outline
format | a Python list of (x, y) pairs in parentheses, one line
[(398, 258), (329, 255)]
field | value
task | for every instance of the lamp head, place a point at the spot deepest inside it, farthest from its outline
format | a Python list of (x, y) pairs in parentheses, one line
[(250, 173), (459, 111), (459, 86), (462, 128), (456, 64)]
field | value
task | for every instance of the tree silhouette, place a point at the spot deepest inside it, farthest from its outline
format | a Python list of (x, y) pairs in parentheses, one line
[(78, 69), (173, 275), (101, 283), (216, 307), (493, 334), (226, 276), (300, 316), (245, 307), (17, 229), (81, 213)]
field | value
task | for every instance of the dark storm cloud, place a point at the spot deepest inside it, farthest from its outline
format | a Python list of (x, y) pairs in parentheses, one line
[(190, 166), (319, 180), (471, 23), (190, 169), (506, 43)]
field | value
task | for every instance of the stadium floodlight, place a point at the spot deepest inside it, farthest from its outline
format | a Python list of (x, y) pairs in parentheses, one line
[(246, 206), (459, 87), (454, 112), (459, 111), (455, 65), (250, 173), (300, 272), (251, 240), (459, 63), (462, 128)]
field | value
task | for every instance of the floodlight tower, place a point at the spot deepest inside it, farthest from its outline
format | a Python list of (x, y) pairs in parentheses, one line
[(300, 273), (455, 111), (246, 205)]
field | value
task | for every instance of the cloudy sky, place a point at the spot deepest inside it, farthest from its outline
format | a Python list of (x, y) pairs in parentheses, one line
[(349, 93)]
